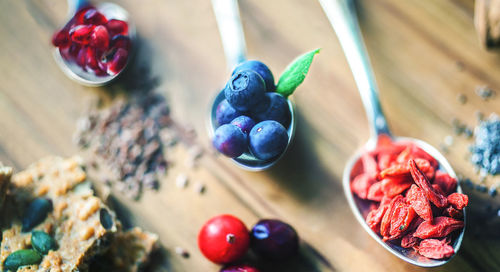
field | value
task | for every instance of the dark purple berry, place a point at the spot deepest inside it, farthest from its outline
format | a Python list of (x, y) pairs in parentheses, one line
[(244, 90), (274, 239), (230, 140), (261, 69), (225, 113), (245, 123), (273, 107), (239, 268), (268, 139)]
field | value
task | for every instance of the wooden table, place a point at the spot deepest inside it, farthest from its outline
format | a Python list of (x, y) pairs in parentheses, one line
[(424, 54)]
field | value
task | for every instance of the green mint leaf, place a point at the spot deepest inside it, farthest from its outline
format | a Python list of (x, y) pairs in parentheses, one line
[(295, 73)]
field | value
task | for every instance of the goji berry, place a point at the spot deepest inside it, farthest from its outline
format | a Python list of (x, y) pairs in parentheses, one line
[(361, 184), (375, 217), (453, 213), (442, 226), (375, 192), (437, 189), (435, 249), (385, 224), (386, 160), (458, 200), (445, 181), (409, 240), (395, 186), (404, 156), (421, 180), (369, 164), (401, 219), (417, 200)]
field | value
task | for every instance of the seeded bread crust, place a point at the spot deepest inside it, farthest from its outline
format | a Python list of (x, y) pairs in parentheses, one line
[(85, 229)]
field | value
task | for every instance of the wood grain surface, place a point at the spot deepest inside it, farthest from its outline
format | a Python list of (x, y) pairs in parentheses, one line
[(424, 53)]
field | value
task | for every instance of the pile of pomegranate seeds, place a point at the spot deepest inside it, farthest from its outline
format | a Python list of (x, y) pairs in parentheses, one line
[(94, 43), (414, 204)]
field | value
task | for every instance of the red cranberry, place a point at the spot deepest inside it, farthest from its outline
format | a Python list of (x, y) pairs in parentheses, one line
[(100, 38), (274, 239), (239, 268), (94, 17), (117, 27), (121, 41), (61, 39), (223, 239), (118, 62), (81, 33)]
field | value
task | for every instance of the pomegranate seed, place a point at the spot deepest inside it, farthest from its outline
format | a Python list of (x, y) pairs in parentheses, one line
[(61, 39), (79, 16), (100, 38), (81, 33), (118, 62), (121, 41), (94, 17), (117, 27), (65, 53), (74, 49), (81, 57), (90, 59)]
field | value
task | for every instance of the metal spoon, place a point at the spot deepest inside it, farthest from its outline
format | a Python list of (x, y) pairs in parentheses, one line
[(342, 16), (233, 41), (75, 72)]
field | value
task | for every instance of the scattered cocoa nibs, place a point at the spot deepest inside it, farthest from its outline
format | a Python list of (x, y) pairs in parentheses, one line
[(468, 132), (484, 92), (462, 99), (486, 148), (458, 127), (199, 188), (181, 181), (181, 252), (126, 138)]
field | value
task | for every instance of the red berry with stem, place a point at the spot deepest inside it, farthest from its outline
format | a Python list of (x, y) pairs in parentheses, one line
[(81, 34), (99, 38), (94, 17), (239, 268), (117, 27), (118, 62), (223, 239)]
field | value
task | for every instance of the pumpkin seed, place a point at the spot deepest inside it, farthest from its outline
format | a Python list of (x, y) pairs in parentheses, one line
[(105, 218), (42, 242), (22, 257), (35, 214)]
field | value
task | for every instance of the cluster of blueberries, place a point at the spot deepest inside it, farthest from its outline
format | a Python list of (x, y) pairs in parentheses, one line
[(253, 117)]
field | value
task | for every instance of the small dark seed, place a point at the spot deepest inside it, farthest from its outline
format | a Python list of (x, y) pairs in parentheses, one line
[(35, 214), (469, 183), (22, 257), (42, 242), (492, 191), (105, 218), (481, 188)]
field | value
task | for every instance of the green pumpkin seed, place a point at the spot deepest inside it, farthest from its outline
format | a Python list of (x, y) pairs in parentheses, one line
[(37, 211), (42, 242), (21, 258)]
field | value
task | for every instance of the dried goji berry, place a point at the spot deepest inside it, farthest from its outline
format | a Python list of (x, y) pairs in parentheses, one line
[(386, 160), (417, 200), (375, 192), (375, 217), (395, 186), (404, 156), (361, 184), (435, 249), (369, 164), (445, 182), (385, 224), (442, 226), (437, 189), (421, 180), (401, 219), (458, 200), (409, 240), (403, 169), (453, 213)]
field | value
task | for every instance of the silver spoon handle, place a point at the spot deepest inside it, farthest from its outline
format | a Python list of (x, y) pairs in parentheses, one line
[(75, 5), (342, 16), (231, 31)]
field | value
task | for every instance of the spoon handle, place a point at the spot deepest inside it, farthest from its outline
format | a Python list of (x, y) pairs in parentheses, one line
[(76, 5), (342, 16), (231, 31)]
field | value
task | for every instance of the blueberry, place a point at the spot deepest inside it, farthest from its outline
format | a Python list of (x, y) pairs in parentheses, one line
[(273, 107), (244, 90), (225, 113), (230, 140), (261, 69), (268, 139), (245, 123), (274, 239)]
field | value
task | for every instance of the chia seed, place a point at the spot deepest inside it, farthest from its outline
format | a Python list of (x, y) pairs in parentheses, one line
[(485, 92), (486, 148), (492, 191)]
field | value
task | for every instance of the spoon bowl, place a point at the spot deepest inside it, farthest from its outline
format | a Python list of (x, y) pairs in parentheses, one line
[(248, 161), (75, 72), (361, 208)]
